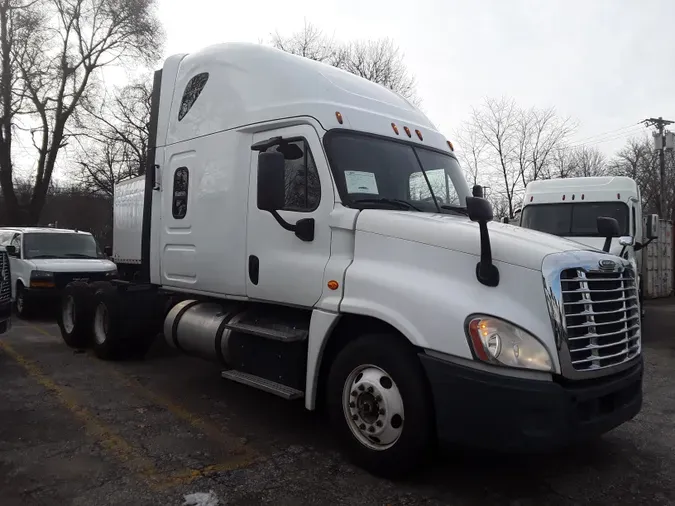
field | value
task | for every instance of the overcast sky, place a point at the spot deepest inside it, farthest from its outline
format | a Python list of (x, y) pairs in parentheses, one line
[(598, 61)]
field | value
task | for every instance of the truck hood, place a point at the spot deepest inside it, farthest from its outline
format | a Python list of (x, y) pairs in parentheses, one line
[(73, 264), (510, 244), (598, 243)]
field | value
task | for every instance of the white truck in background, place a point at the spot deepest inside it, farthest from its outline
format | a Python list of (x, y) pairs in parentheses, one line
[(312, 232), (570, 208)]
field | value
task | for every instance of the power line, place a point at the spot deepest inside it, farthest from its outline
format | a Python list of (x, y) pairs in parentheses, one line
[(601, 140), (583, 140)]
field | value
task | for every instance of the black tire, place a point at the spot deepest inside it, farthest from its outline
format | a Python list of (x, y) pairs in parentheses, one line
[(399, 361), (75, 315), (123, 323), (23, 305), (107, 323)]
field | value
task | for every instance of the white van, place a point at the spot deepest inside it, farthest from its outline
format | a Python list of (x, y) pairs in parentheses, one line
[(44, 260)]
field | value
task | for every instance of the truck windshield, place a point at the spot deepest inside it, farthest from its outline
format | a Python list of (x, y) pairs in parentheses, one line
[(573, 220), (375, 172), (59, 245)]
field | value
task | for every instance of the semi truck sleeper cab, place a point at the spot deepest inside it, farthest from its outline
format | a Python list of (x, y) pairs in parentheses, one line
[(312, 232)]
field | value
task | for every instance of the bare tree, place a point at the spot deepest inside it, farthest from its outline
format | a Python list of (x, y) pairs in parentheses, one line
[(18, 20), (587, 162), (496, 126), (70, 41), (639, 160), (380, 61), (471, 152), (311, 43), (541, 133), (513, 146), (115, 144)]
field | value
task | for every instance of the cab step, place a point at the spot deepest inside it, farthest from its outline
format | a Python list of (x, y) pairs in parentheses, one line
[(266, 385), (270, 329)]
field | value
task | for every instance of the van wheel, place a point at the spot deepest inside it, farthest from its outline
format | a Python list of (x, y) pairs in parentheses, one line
[(380, 406), (23, 306), (75, 315), (107, 341)]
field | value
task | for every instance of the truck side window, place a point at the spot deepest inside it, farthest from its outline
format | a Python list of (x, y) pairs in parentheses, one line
[(16, 242), (181, 179), (303, 188), (634, 229), (192, 90)]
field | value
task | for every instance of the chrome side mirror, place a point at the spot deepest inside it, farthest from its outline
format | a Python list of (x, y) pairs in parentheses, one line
[(626, 240), (652, 227)]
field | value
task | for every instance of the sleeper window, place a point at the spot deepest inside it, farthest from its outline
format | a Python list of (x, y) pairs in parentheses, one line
[(181, 178), (192, 90), (303, 189)]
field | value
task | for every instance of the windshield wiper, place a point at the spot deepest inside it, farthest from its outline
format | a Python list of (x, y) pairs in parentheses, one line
[(401, 204), (43, 256), (77, 255), (457, 209)]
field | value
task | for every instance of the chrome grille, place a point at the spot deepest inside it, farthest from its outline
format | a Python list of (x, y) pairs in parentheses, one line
[(5, 278), (602, 317)]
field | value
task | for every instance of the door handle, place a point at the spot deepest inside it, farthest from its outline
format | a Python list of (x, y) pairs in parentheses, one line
[(157, 177)]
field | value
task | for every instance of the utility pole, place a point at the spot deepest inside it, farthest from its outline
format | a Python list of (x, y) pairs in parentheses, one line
[(660, 124)]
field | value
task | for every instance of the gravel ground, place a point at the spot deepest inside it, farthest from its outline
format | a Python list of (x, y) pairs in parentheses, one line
[(75, 430)]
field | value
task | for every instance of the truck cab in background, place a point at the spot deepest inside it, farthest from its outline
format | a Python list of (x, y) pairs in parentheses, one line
[(312, 232), (570, 207)]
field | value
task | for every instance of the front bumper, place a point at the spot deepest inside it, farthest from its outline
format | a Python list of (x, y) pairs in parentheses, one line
[(45, 294), (512, 414)]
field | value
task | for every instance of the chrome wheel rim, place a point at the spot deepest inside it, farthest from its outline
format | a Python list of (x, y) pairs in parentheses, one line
[(101, 324), (373, 407), (68, 313)]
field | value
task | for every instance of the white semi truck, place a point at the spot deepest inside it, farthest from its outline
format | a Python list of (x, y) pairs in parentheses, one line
[(570, 208), (313, 233)]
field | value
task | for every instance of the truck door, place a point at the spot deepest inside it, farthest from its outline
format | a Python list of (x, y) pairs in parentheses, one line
[(281, 267)]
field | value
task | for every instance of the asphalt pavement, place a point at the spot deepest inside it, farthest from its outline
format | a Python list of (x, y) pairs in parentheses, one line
[(76, 430)]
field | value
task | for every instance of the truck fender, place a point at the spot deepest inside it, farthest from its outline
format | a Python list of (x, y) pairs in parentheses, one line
[(323, 328)]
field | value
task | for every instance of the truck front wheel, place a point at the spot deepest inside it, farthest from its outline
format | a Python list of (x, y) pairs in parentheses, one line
[(380, 406)]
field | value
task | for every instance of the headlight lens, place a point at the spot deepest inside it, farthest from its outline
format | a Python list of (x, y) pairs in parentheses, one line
[(498, 342), (111, 274), (42, 275)]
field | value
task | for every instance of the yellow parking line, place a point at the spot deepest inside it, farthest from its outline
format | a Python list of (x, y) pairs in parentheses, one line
[(189, 475), (210, 429), (245, 456), (41, 330), (109, 439)]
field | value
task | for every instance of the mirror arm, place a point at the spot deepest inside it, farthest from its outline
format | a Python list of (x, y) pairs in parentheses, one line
[(608, 243), (486, 272), (638, 245), (284, 224)]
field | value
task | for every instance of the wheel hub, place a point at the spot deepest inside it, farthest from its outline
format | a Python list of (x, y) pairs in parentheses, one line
[(69, 314), (101, 324), (373, 407)]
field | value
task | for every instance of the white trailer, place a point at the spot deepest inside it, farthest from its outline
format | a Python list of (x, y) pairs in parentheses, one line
[(313, 233)]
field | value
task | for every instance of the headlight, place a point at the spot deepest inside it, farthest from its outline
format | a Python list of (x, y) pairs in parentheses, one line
[(41, 279), (111, 274), (498, 342), (42, 275)]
